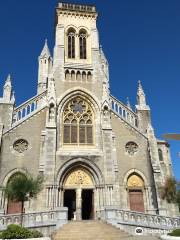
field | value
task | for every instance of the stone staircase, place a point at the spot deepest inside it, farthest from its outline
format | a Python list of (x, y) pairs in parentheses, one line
[(92, 230)]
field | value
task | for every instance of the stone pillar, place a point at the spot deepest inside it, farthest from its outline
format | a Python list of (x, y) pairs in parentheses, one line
[(1, 202), (78, 204)]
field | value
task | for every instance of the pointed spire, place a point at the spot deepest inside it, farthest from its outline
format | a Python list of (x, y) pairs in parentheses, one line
[(128, 103), (7, 90), (8, 81), (141, 97), (45, 52)]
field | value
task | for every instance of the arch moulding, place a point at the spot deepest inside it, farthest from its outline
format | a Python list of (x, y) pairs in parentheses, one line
[(11, 173), (81, 163)]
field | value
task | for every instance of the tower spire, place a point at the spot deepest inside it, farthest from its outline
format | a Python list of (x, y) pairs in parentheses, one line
[(141, 97), (45, 51), (7, 89), (45, 67)]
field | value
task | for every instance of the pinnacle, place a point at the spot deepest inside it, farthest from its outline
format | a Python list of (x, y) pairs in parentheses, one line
[(8, 78), (8, 81), (45, 52), (128, 103)]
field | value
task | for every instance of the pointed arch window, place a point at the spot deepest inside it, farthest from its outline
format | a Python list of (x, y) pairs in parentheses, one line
[(71, 43), (78, 122), (83, 44)]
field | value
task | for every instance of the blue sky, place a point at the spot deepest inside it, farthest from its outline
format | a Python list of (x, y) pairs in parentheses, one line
[(141, 40)]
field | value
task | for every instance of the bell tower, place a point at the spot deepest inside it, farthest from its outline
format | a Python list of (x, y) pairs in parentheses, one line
[(78, 59)]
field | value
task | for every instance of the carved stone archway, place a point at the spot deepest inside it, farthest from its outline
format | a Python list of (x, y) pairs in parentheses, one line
[(135, 186), (78, 194)]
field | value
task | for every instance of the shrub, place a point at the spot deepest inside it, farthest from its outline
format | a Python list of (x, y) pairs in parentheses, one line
[(175, 233), (14, 231)]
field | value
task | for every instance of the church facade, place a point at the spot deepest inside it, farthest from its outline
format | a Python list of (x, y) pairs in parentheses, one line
[(93, 151)]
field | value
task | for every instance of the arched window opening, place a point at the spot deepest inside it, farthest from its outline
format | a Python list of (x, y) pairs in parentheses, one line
[(84, 76), (71, 43), (78, 122), (78, 76), (67, 75), (51, 112), (160, 155), (73, 75), (83, 44), (89, 76)]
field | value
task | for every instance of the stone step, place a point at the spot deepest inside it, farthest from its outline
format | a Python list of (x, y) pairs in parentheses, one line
[(88, 230)]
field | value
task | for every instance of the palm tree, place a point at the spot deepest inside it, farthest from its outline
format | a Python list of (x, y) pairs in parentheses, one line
[(23, 188)]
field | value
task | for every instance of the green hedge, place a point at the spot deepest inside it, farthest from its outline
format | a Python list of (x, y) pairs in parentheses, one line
[(175, 233), (15, 231)]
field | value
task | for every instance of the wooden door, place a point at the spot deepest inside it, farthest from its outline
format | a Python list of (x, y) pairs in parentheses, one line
[(14, 207), (136, 200)]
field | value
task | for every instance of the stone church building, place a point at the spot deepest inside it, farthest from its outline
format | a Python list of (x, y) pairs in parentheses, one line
[(93, 150)]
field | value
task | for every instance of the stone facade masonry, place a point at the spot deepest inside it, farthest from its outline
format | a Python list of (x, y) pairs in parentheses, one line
[(124, 143)]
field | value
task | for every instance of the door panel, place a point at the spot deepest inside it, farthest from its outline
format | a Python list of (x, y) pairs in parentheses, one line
[(136, 200), (14, 207)]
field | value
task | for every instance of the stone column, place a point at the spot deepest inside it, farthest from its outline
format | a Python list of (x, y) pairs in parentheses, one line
[(78, 204), (1, 202)]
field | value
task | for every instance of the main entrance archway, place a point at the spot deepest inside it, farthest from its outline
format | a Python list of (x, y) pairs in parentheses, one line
[(79, 194)]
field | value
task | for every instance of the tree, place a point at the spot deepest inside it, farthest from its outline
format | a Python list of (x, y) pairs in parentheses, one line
[(168, 191), (23, 188), (171, 191)]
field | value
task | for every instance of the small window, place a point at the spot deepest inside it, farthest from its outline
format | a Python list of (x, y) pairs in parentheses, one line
[(82, 44), (89, 77), (71, 43), (20, 145), (160, 155), (131, 148)]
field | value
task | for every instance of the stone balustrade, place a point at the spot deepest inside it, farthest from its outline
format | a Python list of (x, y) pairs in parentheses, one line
[(153, 221), (77, 7), (29, 107), (55, 218), (124, 112)]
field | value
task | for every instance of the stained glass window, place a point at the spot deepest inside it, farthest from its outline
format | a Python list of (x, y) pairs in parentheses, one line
[(78, 122)]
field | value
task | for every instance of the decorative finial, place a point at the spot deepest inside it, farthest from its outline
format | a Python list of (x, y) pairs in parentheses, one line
[(8, 78), (141, 97), (13, 97), (128, 103)]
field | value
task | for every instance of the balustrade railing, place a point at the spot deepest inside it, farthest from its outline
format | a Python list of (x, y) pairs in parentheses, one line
[(36, 219), (124, 112), (27, 108), (143, 220)]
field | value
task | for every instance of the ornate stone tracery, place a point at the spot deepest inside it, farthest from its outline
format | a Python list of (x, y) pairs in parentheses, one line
[(78, 122), (20, 145), (131, 148)]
